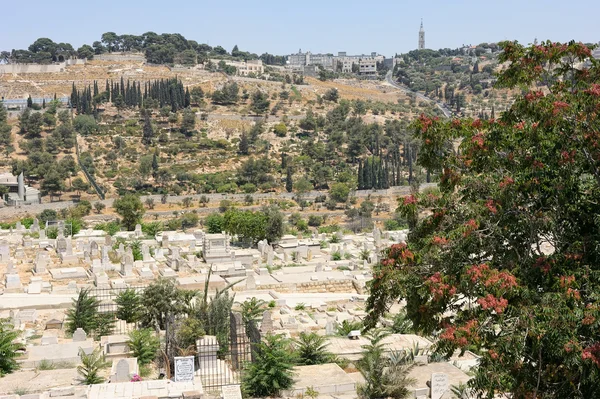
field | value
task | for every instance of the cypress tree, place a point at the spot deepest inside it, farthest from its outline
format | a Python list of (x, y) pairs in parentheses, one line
[(188, 98), (361, 184), (74, 96), (44, 103), (148, 132), (288, 181), (154, 165)]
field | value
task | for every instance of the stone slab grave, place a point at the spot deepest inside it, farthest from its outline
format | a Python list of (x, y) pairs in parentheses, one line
[(68, 273), (67, 352), (49, 339), (26, 316), (123, 369), (13, 283), (115, 344), (324, 378)]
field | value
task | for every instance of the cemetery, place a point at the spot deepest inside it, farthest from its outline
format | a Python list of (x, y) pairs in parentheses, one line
[(296, 290)]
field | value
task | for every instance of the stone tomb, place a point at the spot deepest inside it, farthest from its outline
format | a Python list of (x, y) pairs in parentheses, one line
[(439, 385), (217, 248), (73, 273), (122, 370)]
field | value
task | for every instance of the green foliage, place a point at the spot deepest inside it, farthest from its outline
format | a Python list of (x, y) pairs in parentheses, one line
[(89, 369), (385, 374), (189, 332), (339, 192), (252, 310), (401, 324), (347, 326), (510, 189), (104, 325), (131, 210), (228, 95), (83, 313), (8, 347), (214, 223), (129, 305), (159, 299), (144, 345), (300, 306), (47, 215), (311, 349), (110, 227), (271, 370)]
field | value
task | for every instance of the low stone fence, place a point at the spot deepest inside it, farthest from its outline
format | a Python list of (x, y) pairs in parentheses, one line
[(309, 287)]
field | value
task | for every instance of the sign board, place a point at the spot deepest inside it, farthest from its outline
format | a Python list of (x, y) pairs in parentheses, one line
[(231, 392), (184, 368), (439, 385)]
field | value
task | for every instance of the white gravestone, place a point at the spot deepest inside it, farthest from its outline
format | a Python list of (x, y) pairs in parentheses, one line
[(79, 335), (231, 392), (439, 385), (184, 368)]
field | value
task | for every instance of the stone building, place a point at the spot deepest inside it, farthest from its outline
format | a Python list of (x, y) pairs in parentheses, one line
[(18, 192), (421, 37)]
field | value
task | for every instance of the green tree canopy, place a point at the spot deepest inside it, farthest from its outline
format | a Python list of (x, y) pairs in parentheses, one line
[(505, 260), (131, 210)]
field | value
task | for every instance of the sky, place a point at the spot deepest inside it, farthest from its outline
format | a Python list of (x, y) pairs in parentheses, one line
[(283, 26)]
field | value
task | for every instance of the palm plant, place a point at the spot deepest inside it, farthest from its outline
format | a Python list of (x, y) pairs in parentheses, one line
[(311, 349), (271, 370), (83, 313), (386, 374), (144, 345), (129, 305), (89, 369), (252, 309), (8, 348), (344, 329), (401, 324)]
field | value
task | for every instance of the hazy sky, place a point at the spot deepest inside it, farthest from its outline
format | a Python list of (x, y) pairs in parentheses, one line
[(284, 26)]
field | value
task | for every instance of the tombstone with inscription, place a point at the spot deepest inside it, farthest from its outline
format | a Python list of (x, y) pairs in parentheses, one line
[(330, 327), (250, 281), (231, 392), (184, 369), (61, 244), (94, 248), (127, 263), (138, 231), (439, 385)]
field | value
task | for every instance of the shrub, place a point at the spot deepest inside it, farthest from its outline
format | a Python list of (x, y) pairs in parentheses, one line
[(144, 345), (129, 305), (83, 312), (89, 370), (271, 370), (190, 331), (8, 347), (315, 221), (311, 349), (344, 329)]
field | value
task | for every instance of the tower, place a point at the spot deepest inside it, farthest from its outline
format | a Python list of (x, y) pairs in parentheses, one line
[(421, 37)]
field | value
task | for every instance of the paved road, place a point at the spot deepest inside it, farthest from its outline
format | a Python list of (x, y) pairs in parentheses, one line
[(8, 212), (420, 96)]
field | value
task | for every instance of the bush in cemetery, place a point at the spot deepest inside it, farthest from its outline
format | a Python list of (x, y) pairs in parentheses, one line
[(83, 313), (144, 345), (311, 349), (271, 371), (8, 347), (89, 369), (129, 305)]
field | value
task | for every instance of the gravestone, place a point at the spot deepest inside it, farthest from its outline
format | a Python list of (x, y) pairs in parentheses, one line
[(319, 268), (138, 231), (231, 392), (79, 335), (127, 263), (61, 244), (108, 240), (94, 248), (270, 256), (13, 282), (250, 282), (266, 325), (330, 327), (42, 234), (35, 227), (122, 371), (439, 385), (184, 369)]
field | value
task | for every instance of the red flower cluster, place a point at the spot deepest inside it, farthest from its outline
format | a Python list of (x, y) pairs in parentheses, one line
[(478, 140), (477, 124), (594, 90), (593, 353), (491, 206), (471, 226), (566, 281), (571, 293), (438, 288), (456, 123), (567, 157), (491, 302), (559, 106), (520, 125), (461, 335), (507, 181), (493, 354), (538, 164), (534, 95), (587, 320), (491, 277), (439, 241), (400, 251), (425, 123), (409, 200)]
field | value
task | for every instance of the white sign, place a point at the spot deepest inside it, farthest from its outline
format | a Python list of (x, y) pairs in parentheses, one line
[(439, 385), (184, 368), (231, 392)]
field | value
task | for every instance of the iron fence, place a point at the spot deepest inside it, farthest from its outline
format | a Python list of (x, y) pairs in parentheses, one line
[(108, 306)]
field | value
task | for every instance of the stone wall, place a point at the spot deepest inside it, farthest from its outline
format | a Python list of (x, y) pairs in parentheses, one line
[(39, 68), (138, 57), (312, 287)]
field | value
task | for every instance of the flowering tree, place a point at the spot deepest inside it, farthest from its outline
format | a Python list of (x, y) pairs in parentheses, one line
[(505, 261)]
